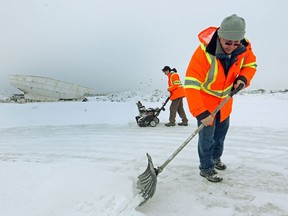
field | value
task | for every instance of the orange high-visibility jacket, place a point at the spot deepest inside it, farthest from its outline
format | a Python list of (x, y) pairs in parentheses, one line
[(175, 88), (206, 84)]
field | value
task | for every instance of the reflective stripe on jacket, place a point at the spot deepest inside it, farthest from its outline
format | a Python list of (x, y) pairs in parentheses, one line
[(175, 88), (207, 83)]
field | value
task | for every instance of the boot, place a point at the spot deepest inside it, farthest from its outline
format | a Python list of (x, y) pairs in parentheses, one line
[(219, 165), (170, 124), (211, 176)]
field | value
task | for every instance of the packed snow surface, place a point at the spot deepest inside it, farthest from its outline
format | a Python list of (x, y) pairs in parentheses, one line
[(83, 159)]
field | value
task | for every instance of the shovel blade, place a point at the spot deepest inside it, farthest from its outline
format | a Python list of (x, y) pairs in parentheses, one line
[(147, 181)]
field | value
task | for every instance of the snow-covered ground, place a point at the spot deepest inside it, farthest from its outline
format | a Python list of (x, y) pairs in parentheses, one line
[(83, 159)]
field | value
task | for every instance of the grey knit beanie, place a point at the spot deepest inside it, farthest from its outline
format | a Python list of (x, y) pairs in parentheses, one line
[(232, 28)]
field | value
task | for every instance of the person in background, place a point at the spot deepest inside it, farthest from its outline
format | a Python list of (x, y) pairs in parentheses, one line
[(223, 61), (177, 93)]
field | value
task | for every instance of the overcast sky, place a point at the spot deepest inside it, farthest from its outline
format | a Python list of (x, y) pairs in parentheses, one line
[(112, 45)]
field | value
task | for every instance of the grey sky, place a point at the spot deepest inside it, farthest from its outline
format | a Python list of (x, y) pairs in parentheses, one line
[(111, 45)]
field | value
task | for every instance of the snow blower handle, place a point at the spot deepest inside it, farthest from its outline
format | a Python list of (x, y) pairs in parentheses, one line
[(166, 101), (164, 104)]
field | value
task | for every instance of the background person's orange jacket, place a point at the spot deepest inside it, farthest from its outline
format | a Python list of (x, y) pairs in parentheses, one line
[(175, 88), (206, 84)]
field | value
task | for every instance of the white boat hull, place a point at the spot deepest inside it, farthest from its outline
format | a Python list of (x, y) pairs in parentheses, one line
[(38, 88)]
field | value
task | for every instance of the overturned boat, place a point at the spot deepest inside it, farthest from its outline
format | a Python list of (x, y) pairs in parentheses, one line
[(37, 88)]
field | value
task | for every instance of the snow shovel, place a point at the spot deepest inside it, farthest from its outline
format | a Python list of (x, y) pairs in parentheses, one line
[(148, 179)]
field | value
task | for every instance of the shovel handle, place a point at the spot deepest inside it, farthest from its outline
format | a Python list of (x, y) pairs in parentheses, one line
[(235, 91), (231, 94)]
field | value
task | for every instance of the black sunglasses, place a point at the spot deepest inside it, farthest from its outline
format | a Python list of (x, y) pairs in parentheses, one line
[(230, 43)]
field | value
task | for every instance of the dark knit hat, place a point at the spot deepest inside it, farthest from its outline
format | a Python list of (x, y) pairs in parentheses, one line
[(232, 28), (166, 68)]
